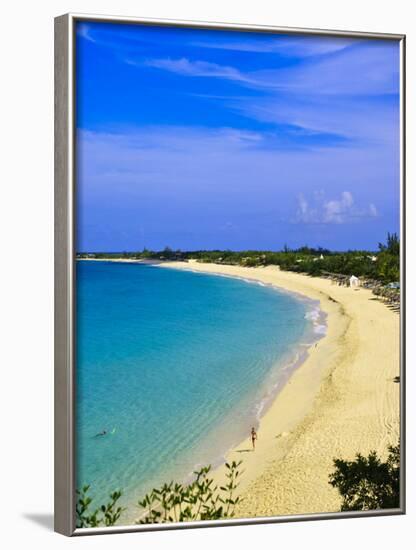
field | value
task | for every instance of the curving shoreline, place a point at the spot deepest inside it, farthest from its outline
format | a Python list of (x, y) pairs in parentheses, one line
[(341, 400)]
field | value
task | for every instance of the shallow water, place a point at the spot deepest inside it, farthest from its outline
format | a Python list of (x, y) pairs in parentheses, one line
[(176, 366)]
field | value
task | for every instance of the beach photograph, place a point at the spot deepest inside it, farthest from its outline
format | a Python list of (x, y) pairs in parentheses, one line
[(238, 351)]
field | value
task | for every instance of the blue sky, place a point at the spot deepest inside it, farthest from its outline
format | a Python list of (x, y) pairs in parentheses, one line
[(202, 139)]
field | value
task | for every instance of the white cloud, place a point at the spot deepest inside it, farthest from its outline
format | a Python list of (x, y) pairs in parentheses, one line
[(186, 67), (333, 211), (331, 94), (285, 46), (84, 31), (368, 69), (365, 70), (373, 210), (201, 178), (305, 213)]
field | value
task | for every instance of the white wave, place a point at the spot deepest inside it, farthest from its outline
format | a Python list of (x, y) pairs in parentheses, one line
[(313, 315), (319, 329), (318, 321)]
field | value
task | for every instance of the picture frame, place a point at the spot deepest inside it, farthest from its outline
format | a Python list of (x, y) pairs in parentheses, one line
[(66, 281)]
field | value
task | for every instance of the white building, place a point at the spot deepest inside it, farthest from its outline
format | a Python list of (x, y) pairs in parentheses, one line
[(354, 281)]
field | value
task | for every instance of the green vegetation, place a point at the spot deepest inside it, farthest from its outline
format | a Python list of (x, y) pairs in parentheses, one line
[(367, 483), (382, 265), (200, 500), (389, 259), (173, 502), (106, 514)]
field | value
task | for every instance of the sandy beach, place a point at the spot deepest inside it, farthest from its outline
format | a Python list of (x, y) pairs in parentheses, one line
[(343, 399)]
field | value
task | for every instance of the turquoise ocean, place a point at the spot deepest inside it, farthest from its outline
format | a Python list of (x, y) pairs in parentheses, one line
[(176, 367)]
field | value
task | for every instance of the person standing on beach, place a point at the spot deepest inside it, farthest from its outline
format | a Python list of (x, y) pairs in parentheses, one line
[(253, 437)]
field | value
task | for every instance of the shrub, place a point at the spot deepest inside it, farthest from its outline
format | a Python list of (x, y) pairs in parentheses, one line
[(107, 514), (367, 483), (200, 500)]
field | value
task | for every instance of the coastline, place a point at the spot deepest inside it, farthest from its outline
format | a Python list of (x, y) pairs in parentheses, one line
[(340, 401), (120, 261)]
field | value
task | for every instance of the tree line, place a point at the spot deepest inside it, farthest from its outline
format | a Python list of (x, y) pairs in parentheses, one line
[(382, 265)]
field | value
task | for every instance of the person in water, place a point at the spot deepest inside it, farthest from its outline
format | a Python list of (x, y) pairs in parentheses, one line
[(253, 438), (104, 432)]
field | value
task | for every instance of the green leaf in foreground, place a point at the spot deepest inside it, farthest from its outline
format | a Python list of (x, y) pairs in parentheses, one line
[(173, 502), (106, 514), (200, 500)]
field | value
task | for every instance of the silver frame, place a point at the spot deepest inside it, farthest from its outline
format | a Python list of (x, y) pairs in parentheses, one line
[(65, 282)]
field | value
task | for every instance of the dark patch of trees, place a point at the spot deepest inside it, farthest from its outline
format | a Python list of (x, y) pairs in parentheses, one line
[(368, 483)]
